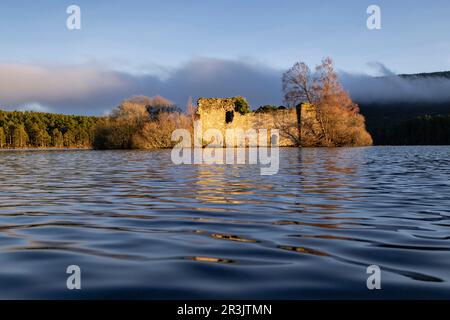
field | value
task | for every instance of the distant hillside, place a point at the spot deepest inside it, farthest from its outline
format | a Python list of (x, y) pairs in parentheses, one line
[(442, 74), (409, 123)]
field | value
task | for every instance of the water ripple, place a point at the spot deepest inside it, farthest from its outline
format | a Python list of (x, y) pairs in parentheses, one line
[(134, 221)]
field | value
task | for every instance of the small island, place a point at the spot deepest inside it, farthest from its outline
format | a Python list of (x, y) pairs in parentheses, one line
[(319, 113)]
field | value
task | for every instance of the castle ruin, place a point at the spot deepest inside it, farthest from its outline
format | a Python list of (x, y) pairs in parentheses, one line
[(221, 114)]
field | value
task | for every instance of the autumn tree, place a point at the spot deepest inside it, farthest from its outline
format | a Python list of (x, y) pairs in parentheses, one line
[(117, 130), (164, 118), (158, 104), (140, 123), (336, 116), (157, 133)]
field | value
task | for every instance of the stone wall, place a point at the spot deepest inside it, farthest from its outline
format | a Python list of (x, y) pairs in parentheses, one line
[(310, 126), (220, 114)]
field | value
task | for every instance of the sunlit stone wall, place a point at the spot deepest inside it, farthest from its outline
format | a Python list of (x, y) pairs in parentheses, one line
[(213, 115)]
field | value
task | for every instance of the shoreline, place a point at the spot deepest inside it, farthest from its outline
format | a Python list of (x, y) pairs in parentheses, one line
[(281, 147), (44, 149)]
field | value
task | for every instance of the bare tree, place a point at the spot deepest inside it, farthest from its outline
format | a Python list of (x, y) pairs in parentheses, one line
[(299, 85), (191, 111)]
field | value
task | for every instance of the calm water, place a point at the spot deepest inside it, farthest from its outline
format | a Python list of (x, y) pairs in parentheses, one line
[(141, 227)]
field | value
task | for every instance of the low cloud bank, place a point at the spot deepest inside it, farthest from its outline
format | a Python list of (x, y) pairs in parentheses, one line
[(388, 87), (94, 89)]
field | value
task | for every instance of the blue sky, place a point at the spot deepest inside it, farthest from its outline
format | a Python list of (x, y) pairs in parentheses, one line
[(163, 38)]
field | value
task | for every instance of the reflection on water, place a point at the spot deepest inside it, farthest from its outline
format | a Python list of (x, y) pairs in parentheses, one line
[(141, 227)]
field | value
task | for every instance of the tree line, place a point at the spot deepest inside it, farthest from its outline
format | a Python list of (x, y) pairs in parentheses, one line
[(421, 130), (45, 130), (408, 123)]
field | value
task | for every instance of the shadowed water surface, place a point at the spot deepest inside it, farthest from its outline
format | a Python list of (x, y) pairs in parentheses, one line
[(140, 227)]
